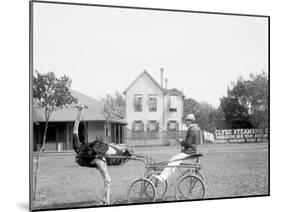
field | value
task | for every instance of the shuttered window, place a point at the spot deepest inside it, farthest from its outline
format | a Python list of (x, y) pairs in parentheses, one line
[(152, 103), (173, 125), (173, 102), (138, 126), (137, 103), (152, 126)]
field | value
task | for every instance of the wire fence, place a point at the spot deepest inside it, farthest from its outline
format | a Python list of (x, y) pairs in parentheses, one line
[(166, 138), (153, 138)]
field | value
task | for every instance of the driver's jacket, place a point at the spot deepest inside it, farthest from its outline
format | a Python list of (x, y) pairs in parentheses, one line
[(192, 139)]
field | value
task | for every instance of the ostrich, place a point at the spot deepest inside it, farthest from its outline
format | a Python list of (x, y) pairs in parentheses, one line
[(94, 154)]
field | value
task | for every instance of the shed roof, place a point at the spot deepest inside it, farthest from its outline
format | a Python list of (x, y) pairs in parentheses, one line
[(94, 112), (174, 91)]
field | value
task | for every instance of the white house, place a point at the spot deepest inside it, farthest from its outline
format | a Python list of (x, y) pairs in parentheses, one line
[(151, 107)]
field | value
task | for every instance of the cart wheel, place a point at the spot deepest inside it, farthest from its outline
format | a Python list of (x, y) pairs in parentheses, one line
[(161, 187), (141, 190), (190, 187), (199, 174)]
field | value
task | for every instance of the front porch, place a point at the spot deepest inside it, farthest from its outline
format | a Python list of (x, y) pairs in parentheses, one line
[(59, 134)]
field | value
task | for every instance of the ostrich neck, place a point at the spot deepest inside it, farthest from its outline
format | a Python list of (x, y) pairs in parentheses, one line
[(77, 122)]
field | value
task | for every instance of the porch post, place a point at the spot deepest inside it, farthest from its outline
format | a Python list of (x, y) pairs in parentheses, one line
[(119, 134), (71, 136), (67, 135), (104, 132), (115, 136), (122, 134), (57, 137)]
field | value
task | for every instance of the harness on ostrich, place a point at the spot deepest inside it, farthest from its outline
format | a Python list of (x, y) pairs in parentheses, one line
[(87, 152)]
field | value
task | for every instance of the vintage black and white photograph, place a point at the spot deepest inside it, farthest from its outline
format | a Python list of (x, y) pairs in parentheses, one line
[(143, 105)]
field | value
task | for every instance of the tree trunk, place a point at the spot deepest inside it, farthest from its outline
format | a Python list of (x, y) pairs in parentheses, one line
[(38, 160)]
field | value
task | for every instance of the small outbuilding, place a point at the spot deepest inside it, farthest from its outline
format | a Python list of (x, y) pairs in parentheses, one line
[(93, 126)]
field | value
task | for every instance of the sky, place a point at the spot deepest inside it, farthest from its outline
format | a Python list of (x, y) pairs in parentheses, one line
[(104, 49)]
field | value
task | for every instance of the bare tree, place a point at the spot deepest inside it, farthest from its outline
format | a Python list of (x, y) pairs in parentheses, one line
[(49, 93)]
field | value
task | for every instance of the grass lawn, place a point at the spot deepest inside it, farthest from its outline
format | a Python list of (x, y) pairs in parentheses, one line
[(230, 170)]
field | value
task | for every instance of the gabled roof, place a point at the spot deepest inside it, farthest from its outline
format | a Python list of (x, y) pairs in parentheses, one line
[(141, 75), (94, 112)]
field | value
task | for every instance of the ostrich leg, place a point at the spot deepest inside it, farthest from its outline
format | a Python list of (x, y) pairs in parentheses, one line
[(102, 167)]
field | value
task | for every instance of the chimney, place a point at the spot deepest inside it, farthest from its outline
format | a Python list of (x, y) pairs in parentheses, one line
[(166, 83), (161, 76)]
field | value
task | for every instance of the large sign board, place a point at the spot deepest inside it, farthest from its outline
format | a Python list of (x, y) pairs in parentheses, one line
[(241, 135)]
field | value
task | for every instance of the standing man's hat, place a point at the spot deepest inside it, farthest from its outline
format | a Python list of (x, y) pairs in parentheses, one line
[(190, 117)]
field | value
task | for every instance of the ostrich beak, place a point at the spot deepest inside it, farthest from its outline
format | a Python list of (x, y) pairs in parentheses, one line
[(80, 106)]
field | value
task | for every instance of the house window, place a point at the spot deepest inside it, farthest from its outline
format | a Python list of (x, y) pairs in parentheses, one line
[(152, 126), (173, 100), (172, 125), (137, 126), (152, 103), (138, 103)]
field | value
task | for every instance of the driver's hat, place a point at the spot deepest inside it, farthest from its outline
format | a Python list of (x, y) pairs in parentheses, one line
[(189, 117)]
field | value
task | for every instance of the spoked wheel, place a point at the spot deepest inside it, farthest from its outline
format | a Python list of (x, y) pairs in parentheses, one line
[(141, 190), (161, 187), (199, 174), (190, 187)]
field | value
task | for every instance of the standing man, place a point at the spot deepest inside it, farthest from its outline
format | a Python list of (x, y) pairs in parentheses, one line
[(189, 146)]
